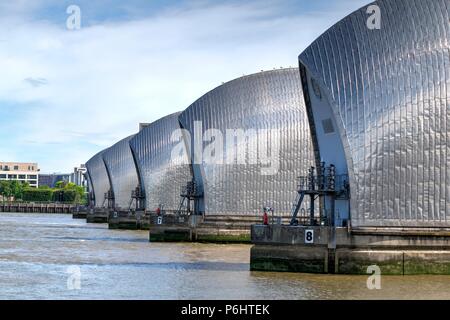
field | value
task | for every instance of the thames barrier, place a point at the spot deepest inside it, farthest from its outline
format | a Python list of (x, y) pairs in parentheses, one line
[(337, 165), (356, 172)]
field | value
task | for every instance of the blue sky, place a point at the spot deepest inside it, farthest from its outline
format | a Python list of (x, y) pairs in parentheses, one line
[(65, 95)]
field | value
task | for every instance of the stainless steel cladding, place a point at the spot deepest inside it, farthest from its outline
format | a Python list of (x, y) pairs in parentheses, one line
[(90, 190), (249, 140), (385, 71), (122, 173), (99, 179), (163, 173)]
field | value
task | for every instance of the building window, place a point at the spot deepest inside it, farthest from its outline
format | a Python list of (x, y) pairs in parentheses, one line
[(2, 176), (12, 176), (22, 176), (16, 168), (34, 177)]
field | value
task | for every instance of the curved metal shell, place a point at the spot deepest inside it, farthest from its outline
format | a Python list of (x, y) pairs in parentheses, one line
[(162, 173), (98, 178), (122, 172), (269, 108), (90, 190), (390, 91)]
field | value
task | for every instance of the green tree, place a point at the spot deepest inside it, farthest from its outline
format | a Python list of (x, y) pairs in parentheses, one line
[(65, 192), (12, 188), (69, 192), (5, 189), (17, 189), (61, 184), (37, 195)]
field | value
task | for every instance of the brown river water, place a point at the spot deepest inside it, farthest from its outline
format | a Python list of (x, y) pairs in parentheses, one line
[(39, 253)]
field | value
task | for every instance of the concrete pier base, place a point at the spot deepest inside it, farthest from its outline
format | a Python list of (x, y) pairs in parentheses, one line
[(285, 248), (79, 215), (212, 229), (98, 215), (126, 220), (172, 228)]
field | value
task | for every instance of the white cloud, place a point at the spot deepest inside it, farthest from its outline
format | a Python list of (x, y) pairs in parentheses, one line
[(102, 80)]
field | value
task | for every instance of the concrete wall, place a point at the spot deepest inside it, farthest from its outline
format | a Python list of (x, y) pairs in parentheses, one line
[(283, 248)]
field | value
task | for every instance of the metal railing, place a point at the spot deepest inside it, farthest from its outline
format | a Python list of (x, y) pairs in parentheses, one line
[(323, 183)]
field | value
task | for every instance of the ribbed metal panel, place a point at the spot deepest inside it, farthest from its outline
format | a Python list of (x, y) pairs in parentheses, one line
[(267, 100), (162, 174), (122, 172), (99, 178), (90, 190), (391, 91)]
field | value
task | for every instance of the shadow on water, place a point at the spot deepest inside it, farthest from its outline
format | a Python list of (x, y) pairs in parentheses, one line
[(98, 239), (63, 226), (194, 266), (177, 266), (59, 226)]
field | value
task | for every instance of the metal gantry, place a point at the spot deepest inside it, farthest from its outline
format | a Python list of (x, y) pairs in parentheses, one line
[(110, 199), (137, 197), (192, 192), (320, 183)]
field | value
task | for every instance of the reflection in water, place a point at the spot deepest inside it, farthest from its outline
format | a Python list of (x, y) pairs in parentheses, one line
[(37, 250)]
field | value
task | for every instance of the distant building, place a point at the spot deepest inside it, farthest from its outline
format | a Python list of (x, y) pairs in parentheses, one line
[(79, 176), (23, 172), (50, 180)]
